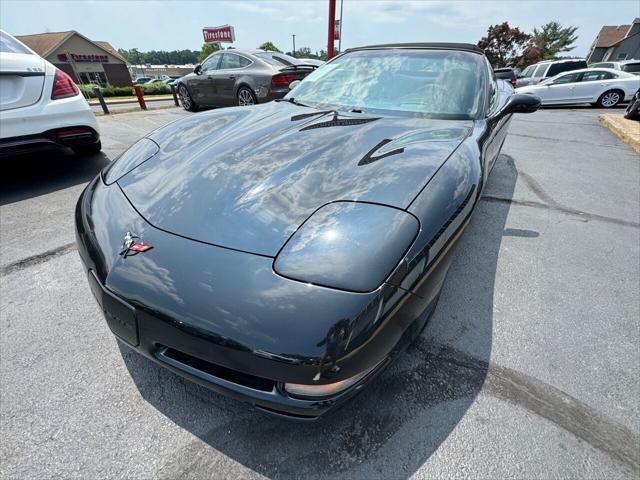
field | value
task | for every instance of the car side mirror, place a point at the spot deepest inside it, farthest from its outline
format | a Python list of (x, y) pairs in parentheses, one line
[(294, 84), (521, 103), (198, 69)]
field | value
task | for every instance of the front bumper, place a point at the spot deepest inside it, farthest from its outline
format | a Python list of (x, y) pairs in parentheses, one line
[(173, 347), (226, 320)]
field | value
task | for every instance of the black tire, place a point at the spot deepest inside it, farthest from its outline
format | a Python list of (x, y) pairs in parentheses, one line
[(185, 99), (610, 99), (245, 96), (88, 149), (633, 111)]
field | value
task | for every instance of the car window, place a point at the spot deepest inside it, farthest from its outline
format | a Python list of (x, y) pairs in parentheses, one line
[(426, 83), (557, 68), (526, 73), (631, 67), (211, 63), (232, 60), (539, 72), (9, 44), (568, 78), (602, 65), (595, 76)]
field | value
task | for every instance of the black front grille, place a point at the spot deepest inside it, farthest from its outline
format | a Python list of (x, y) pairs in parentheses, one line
[(239, 378)]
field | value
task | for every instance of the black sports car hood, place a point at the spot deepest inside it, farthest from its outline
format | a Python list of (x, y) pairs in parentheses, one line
[(247, 178)]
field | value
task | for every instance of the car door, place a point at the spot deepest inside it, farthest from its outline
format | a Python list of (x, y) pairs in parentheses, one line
[(561, 88), (230, 69), (592, 84), (203, 84)]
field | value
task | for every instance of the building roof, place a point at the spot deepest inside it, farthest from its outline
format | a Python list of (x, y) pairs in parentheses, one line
[(43, 43), (610, 35), (108, 47)]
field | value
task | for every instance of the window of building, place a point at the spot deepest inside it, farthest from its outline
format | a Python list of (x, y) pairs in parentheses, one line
[(99, 78)]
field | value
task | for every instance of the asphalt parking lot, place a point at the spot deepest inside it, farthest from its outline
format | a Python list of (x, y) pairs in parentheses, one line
[(530, 367)]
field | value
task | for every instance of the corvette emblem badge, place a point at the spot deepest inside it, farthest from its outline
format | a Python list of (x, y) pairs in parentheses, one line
[(133, 245)]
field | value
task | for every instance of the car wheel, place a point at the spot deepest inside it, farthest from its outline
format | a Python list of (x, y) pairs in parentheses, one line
[(633, 111), (186, 100), (88, 149), (246, 97), (610, 99)]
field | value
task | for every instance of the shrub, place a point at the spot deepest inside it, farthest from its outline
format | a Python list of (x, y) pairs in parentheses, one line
[(157, 88), (88, 90)]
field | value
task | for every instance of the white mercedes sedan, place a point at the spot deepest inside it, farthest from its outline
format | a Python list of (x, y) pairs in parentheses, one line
[(40, 106), (602, 87)]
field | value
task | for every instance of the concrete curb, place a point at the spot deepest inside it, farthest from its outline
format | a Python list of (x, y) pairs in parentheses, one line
[(133, 109), (627, 130)]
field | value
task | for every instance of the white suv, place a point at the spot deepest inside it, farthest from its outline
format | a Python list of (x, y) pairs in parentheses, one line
[(40, 105)]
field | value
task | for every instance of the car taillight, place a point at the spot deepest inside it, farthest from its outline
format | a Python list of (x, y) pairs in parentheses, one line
[(514, 80), (63, 86), (282, 79)]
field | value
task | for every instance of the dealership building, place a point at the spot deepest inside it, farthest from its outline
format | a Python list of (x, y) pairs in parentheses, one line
[(86, 61)]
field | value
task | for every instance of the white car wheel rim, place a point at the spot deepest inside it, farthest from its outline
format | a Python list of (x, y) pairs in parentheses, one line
[(245, 98), (610, 99)]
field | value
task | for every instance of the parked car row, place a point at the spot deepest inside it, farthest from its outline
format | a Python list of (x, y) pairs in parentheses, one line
[(572, 81), (602, 87)]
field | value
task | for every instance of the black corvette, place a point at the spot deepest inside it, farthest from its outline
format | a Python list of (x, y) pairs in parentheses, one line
[(283, 253)]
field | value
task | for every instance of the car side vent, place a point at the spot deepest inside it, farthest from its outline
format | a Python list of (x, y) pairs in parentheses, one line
[(339, 122), (370, 158), (451, 219)]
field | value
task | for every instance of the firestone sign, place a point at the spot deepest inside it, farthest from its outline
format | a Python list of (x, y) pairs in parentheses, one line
[(82, 57), (219, 34)]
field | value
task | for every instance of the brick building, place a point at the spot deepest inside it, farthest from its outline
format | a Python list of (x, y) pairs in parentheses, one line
[(87, 61)]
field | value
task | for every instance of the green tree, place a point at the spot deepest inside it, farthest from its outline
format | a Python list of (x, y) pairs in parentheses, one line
[(207, 49), (506, 46), (269, 46), (553, 38), (304, 52)]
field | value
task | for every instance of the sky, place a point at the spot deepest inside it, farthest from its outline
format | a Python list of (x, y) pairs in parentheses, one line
[(177, 25)]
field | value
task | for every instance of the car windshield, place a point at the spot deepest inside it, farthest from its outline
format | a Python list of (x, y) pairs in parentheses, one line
[(10, 45), (429, 83)]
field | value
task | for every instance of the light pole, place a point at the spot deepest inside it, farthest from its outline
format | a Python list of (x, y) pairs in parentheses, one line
[(332, 28), (294, 45)]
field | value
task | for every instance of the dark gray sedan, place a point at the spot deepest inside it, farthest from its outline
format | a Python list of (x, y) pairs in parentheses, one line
[(236, 77)]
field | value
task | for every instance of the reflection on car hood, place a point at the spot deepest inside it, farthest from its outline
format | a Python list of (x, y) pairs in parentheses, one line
[(246, 178)]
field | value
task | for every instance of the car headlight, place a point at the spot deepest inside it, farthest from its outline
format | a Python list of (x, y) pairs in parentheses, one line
[(350, 246), (137, 154), (319, 391)]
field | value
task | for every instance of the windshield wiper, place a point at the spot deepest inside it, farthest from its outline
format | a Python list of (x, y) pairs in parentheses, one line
[(292, 100)]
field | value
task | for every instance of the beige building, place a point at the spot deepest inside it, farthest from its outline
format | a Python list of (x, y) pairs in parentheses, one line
[(85, 60)]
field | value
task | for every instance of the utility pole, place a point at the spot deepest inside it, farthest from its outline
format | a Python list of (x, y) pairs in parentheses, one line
[(332, 29), (294, 45)]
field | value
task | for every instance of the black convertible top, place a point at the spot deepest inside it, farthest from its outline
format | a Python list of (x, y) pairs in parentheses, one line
[(469, 47)]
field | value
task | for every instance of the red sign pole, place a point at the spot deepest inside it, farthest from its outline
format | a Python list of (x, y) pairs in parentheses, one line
[(332, 31)]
